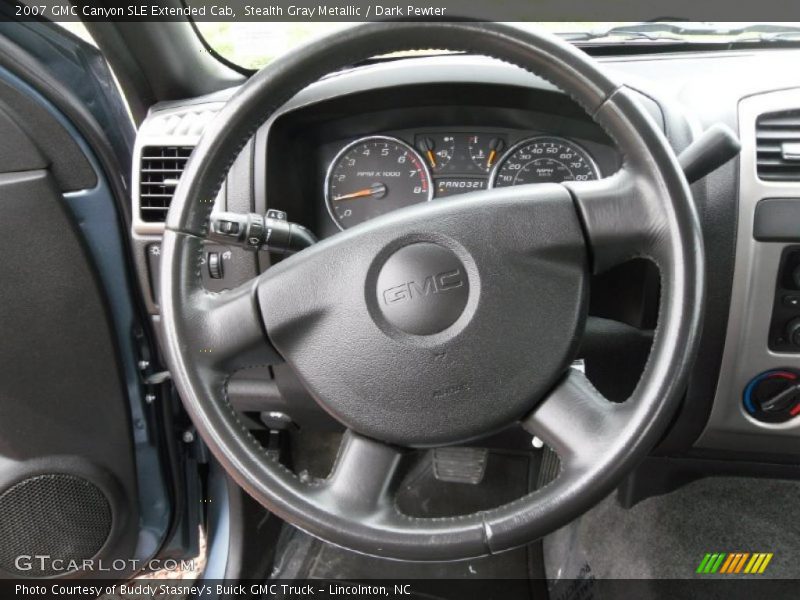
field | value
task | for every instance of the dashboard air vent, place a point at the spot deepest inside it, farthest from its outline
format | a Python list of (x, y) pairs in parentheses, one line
[(778, 146), (161, 168)]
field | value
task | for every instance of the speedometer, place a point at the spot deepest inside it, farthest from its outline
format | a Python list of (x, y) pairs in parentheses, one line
[(544, 160), (372, 176)]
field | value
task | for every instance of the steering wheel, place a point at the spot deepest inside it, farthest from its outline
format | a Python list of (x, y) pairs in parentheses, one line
[(489, 340)]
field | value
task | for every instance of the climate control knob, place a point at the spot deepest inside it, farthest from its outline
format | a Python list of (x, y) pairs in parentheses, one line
[(793, 331), (773, 396)]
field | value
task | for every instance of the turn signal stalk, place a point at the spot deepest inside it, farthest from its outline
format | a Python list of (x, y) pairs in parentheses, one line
[(272, 232)]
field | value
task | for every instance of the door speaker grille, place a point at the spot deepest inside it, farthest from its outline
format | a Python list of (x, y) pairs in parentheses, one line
[(56, 515)]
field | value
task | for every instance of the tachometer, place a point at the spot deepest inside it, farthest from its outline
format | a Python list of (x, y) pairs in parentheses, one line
[(544, 160), (372, 176)]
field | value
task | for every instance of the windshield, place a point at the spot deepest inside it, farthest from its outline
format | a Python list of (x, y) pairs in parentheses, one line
[(254, 44)]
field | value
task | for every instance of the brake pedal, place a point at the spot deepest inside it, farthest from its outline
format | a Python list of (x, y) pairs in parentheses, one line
[(460, 465)]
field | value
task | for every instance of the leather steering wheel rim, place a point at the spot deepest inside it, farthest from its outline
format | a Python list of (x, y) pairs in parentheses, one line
[(644, 210)]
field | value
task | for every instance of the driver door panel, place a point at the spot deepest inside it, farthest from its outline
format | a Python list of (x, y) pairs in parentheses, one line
[(79, 447)]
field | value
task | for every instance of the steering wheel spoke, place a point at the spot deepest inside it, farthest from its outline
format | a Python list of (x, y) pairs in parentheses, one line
[(364, 475), (223, 331), (577, 422), (620, 221), (230, 332)]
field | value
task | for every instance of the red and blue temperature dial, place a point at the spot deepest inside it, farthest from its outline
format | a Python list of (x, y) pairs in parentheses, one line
[(773, 396)]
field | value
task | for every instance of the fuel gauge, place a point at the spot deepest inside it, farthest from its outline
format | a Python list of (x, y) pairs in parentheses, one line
[(437, 149)]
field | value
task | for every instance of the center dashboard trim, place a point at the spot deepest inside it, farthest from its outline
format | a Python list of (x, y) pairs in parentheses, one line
[(746, 352)]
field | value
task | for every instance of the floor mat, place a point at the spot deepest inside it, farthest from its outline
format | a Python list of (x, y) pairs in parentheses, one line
[(668, 536), (508, 476)]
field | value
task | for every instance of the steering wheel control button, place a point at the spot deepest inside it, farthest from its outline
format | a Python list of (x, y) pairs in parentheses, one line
[(422, 288), (773, 396)]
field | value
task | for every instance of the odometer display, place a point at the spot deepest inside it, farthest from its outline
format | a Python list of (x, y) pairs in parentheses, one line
[(544, 160), (373, 176)]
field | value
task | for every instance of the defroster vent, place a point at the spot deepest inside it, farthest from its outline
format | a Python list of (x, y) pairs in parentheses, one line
[(778, 146), (161, 168)]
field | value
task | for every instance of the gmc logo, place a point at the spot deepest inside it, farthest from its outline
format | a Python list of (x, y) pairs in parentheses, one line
[(432, 284)]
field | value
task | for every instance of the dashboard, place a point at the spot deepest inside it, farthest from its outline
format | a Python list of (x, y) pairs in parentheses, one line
[(381, 154), (372, 139), (376, 174)]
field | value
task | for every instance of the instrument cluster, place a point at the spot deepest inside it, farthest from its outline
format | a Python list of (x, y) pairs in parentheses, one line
[(376, 174)]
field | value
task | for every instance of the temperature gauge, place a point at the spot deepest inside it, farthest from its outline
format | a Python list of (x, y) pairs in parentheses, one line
[(484, 150)]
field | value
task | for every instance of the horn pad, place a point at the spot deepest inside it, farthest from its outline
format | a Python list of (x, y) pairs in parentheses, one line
[(438, 323), (422, 288)]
